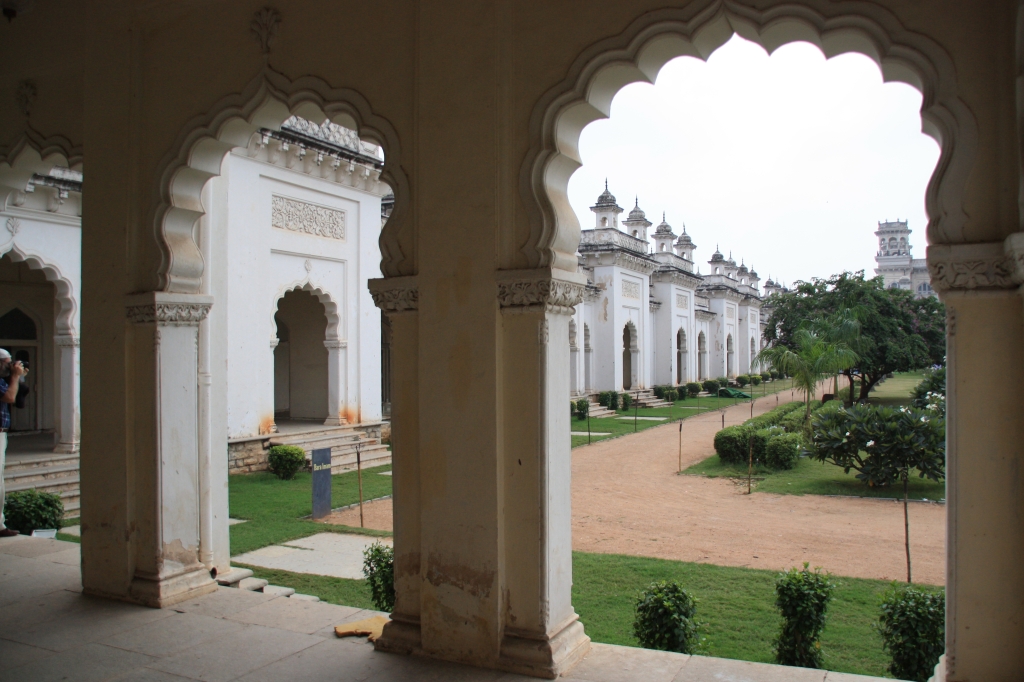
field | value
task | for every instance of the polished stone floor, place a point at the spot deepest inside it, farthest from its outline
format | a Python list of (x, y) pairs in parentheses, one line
[(50, 631)]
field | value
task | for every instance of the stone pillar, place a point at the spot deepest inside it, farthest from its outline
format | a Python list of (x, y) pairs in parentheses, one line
[(338, 411), (68, 440), (398, 298), (167, 468), (984, 451)]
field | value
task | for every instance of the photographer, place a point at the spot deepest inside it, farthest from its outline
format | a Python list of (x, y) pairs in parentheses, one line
[(10, 374)]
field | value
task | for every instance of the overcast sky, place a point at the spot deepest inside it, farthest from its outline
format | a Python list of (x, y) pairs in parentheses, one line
[(788, 160)]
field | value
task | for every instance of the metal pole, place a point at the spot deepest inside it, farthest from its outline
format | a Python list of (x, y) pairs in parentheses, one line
[(750, 464), (636, 408), (680, 446), (359, 475), (588, 422)]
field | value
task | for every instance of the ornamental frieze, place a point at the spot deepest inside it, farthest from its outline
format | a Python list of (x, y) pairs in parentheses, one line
[(299, 216), (971, 266), (169, 314), (554, 295)]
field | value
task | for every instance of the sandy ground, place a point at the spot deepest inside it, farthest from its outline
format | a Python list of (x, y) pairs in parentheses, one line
[(627, 499)]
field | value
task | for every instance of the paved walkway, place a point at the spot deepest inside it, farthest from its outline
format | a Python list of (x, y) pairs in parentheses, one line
[(335, 554), (50, 631)]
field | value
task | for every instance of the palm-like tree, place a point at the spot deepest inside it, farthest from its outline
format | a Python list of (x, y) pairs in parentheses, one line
[(811, 358), (843, 328)]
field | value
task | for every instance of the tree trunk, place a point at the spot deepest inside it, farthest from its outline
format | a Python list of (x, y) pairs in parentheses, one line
[(906, 520), (853, 399)]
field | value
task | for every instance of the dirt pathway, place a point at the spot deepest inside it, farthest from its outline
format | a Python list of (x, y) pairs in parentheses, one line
[(627, 499)]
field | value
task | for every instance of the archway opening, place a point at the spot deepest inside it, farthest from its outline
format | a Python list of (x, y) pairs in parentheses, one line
[(28, 306), (300, 359), (730, 358), (681, 357), (630, 351), (702, 357)]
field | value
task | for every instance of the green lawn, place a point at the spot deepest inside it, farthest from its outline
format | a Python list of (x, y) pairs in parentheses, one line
[(332, 590), (681, 409), (273, 509), (815, 478), (737, 605)]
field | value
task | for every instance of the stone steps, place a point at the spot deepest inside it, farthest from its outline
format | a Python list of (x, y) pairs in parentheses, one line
[(50, 473), (343, 442), (241, 578)]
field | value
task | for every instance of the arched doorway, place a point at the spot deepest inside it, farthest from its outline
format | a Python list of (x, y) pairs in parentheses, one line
[(20, 337), (702, 357), (630, 353), (730, 357), (300, 358), (681, 357)]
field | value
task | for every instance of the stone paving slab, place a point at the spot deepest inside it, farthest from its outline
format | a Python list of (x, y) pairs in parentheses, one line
[(339, 555), (592, 433), (644, 419)]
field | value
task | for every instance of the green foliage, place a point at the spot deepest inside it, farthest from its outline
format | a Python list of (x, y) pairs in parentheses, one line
[(613, 400), (934, 382), (722, 382), (731, 444), (898, 332), (802, 598), (627, 401), (782, 451), (582, 408), (775, 416), (766, 376), (665, 618), (774, 374), (286, 460), (742, 380), (711, 386), (672, 395), (379, 569), (755, 379), (881, 443), (659, 392), (28, 510), (693, 388), (913, 630), (602, 398)]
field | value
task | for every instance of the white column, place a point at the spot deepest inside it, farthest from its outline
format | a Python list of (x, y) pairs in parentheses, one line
[(337, 383), (169, 471), (68, 440)]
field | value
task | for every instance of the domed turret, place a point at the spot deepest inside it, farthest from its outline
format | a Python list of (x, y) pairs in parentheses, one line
[(663, 236), (637, 213), (606, 210), (685, 246), (637, 223)]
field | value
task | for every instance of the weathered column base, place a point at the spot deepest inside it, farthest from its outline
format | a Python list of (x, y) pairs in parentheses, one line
[(335, 421), (162, 591), (67, 448), (525, 653)]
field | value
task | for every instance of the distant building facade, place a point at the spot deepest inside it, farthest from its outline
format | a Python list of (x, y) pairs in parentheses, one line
[(895, 263), (649, 317)]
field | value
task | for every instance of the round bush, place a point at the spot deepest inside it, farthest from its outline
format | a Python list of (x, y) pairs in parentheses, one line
[(627, 401), (582, 408), (665, 618), (802, 598), (742, 380), (722, 382), (29, 510), (913, 629), (782, 451), (755, 379), (766, 376), (693, 388), (711, 386), (286, 460), (774, 374)]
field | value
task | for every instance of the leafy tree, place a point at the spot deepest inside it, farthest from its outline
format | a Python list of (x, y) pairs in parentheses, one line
[(883, 445), (808, 358), (898, 332)]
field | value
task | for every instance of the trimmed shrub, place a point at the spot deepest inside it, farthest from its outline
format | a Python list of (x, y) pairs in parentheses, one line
[(773, 417), (659, 392), (766, 376), (742, 380), (672, 395), (802, 598), (627, 401), (774, 374), (693, 388), (755, 379), (582, 408), (782, 451), (29, 510), (711, 386), (664, 618), (286, 460), (379, 569), (913, 629), (723, 382), (731, 444)]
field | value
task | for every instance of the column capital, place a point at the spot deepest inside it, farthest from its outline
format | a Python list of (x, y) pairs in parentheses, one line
[(981, 266), (1014, 249), (67, 341), (553, 291), (335, 343), (395, 294), (168, 309)]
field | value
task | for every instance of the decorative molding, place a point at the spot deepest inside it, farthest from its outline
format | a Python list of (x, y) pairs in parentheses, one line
[(67, 341), (13, 225), (653, 305), (264, 25), (308, 265), (543, 335), (549, 294), (299, 216), (971, 267), (697, 29), (705, 315), (25, 97), (631, 289), (730, 312), (1013, 247), (274, 342), (682, 301), (168, 310), (335, 343), (395, 294)]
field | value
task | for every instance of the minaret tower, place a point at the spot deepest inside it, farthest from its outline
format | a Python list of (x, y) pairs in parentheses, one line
[(663, 237), (893, 260), (685, 246), (606, 210)]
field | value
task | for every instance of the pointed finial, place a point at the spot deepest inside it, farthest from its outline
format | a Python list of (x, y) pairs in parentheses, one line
[(662, 216), (637, 202), (606, 184)]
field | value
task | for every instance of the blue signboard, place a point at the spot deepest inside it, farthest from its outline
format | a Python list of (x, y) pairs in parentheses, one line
[(321, 483)]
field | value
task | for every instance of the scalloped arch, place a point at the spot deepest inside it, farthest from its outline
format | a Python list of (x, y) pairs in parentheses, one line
[(639, 53), (65, 291), (266, 102), (45, 147), (330, 306)]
